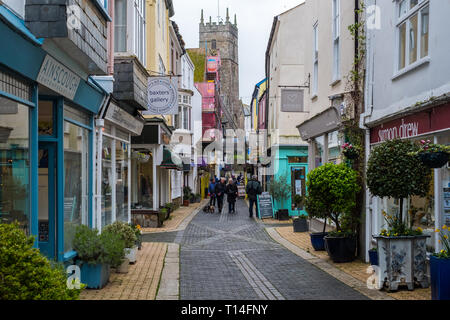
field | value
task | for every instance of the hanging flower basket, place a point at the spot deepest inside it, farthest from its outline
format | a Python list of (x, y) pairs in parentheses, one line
[(349, 151), (434, 159)]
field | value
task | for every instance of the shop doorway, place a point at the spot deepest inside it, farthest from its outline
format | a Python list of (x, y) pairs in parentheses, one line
[(298, 187), (47, 199)]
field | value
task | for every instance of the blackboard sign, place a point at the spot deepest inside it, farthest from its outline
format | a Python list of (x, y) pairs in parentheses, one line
[(265, 208), (43, 231)]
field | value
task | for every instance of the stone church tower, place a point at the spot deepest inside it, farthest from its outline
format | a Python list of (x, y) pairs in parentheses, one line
[(223, 36)]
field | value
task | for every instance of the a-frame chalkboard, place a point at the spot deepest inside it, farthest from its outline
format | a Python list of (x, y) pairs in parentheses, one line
[(265, 207)]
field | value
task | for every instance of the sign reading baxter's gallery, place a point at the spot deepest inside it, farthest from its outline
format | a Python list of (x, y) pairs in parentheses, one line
[(57, 77), (162, 96)]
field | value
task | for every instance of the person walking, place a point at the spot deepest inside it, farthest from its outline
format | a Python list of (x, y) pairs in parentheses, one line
[(252, 189), (232, 192), (212, 192), (220, 192)]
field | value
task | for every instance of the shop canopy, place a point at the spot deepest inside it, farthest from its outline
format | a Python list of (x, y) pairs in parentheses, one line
[(171, 160)]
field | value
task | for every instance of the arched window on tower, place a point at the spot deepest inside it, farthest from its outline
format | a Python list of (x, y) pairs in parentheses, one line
[(213, 44)]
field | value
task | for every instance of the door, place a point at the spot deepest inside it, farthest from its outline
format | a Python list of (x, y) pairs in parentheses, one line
[(47, 199), (298, 186)]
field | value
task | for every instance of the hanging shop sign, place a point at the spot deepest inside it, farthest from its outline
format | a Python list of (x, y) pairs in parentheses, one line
[(162, 96), (123, 119), (57, 77), (411, 126)]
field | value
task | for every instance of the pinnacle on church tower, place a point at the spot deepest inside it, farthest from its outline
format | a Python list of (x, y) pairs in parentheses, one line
[(201, 19)]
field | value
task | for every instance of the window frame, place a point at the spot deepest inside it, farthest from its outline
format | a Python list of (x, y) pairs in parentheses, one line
[(405, 19), (336, 35), (315, 84)]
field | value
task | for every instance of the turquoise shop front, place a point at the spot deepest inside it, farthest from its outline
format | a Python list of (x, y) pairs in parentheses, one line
[(46, 141), (291, 162)]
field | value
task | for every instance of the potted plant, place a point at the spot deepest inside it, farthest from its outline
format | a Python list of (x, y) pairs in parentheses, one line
[(162, 216), (96, 253), (432, 155), (137, 231), (300, 223), (373, 256), (280, 190), (198, 197), (186, 195), (440, 268), (350, 151), (128, 235), (393, 173), (332, 191)]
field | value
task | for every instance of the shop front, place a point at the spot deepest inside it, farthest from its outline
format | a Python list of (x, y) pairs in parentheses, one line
[(432, 211), (46, 139), (114, 163)]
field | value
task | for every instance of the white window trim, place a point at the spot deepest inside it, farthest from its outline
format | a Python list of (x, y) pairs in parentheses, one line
[(405, 19), (336, 32), (315, 84), (139, 30)]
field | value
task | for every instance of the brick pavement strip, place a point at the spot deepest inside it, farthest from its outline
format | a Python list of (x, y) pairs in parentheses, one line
[(354, 273), (141, 281)]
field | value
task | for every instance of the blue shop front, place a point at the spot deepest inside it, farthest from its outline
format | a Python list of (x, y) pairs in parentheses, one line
[(46, 139)]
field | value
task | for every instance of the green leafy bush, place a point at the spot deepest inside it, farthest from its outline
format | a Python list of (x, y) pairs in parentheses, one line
[(113, 248), (88, 245), (25, 274), (279, 189), (332, 191), (125, 232), (393, 173)]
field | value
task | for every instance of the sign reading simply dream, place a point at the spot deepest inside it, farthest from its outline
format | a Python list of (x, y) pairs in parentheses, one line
[(162, 96)]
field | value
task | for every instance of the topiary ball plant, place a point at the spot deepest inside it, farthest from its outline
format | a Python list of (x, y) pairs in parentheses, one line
[(25, 274), (124, 231), (393, 173), (332, 191)]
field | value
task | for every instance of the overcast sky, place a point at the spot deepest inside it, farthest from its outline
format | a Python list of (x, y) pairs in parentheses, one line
[(254, 20)]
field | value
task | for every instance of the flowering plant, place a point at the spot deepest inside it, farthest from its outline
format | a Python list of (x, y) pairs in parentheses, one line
[(397, 228), (350, 151), (427, 147), (444, 235)]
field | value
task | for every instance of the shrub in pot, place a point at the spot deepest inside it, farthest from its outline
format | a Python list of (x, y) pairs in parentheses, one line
[(26, 274), (440, 268), (300, 223), (280, 190), (332, 191), (187, 191), (392, 172), (128, 236)]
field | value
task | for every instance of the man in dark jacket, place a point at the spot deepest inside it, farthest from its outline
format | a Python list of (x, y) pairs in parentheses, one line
[(220, 192), (252, 189), (232, 192)]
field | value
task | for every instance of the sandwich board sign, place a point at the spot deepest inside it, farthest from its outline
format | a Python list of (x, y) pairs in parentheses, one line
[(265, 205)]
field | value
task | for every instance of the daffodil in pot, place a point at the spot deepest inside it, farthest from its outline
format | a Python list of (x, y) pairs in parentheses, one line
[(393, 173), (440, 267)]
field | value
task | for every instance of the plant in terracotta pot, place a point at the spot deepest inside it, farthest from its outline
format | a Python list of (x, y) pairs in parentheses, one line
[(432, 155), (187, 191), (440, 267), (332, 191), (393, 173), (280, 190)]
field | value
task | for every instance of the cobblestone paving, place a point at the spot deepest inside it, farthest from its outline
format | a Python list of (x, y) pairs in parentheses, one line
[(230, 256)]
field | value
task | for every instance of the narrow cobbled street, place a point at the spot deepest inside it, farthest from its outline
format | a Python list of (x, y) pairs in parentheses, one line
[(230, 256)]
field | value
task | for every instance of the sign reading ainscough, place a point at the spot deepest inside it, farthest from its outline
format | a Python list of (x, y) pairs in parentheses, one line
[(162, 96), (57, 77)]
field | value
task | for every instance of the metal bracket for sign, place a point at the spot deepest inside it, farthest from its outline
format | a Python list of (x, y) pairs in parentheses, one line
[(306, 85)]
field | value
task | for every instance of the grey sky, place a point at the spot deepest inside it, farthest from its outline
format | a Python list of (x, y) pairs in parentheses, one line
[(254, 20)]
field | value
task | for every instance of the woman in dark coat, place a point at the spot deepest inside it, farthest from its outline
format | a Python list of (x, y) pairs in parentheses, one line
[(232, 192)]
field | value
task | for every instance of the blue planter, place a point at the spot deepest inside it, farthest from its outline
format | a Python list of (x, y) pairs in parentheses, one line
[(95, 276), (317, 240), (373, 257), (440, 278)]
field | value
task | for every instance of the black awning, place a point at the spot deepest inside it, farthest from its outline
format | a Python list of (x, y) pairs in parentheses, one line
[(171, 160)]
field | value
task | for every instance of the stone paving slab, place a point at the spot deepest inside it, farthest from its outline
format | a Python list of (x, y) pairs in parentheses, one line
[(170, 278), (141, 281)]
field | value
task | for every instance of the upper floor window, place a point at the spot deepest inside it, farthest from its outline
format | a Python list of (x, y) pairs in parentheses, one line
[(139, 37), (213, 44), (17, 6), (413, 31), (120, 26), (315, 79), (336, 36)]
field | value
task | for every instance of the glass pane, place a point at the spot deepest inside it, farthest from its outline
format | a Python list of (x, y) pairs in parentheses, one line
[(145, 183), (402, 8), (413, 25), (333, 146), (76, 115), (121, 181), (402, 47), (14, 164), (424, 33), (413, 3), (45, 118), (298, 185), (120, 27), (297, 159), (319, 141), (76, 187), (107, 182)]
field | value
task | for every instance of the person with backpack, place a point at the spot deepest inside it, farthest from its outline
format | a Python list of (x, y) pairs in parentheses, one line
[(232, 193), (252, 189), (220, 192)]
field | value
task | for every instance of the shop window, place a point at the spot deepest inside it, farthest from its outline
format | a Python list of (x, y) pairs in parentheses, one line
[(45, 118), (121, 181), (334, 147), (144, 182), (120, 26), (298, 179), (445, 187), (76, 115), (76, 186), (107, 181), (319, 151), (14, 164), (297, 159)]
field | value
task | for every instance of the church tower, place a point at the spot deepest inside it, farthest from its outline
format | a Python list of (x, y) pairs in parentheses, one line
[(223, 36)]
